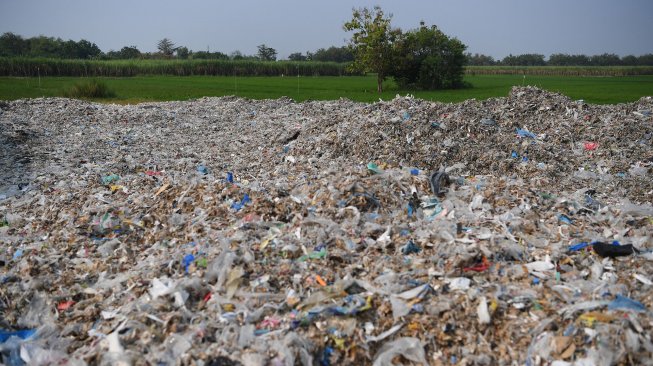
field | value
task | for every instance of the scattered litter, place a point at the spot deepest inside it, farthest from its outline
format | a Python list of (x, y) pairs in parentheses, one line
[(226, 231)]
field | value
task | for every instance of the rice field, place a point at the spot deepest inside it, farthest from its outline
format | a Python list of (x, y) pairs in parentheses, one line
[(598, 90)]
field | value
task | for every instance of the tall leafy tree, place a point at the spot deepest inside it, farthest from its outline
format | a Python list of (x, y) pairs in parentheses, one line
[(372, 42), (266, 53), (429, 59), (13, 45), (166, 47)]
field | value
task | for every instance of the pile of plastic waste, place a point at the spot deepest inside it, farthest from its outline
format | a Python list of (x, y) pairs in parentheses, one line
[(226, 231)]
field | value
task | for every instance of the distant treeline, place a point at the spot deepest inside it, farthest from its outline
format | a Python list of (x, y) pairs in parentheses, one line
[(560, 70), (30, 67), (559, 59), (13, 45)]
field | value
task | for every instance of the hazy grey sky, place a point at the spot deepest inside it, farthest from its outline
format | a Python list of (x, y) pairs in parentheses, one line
[(492, 27)]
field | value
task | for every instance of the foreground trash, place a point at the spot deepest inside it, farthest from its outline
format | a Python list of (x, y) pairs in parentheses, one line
[(226, 231)]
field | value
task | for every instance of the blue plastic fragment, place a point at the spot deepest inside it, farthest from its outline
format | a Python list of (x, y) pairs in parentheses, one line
[(579, 246), (325, 360), (230, 177), (514, 154), (410, 210), (414, 171), (239, 205), (203, 170), (188, 260), (565, 219), (525, 133), (569, 331), (417, 308), (625, 303), (22, 334), (18, 254), (410, 248), (536, 281)]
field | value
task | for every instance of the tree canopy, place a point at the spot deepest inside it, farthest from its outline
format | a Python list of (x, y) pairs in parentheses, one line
[(429, 59), (166, 47), (424, 58), (266, 53), (372, 42)]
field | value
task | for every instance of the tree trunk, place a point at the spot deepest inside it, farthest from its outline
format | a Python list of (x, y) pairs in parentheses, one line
[(379, 83)]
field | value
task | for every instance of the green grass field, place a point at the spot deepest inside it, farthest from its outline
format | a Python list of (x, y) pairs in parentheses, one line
[(600, 90)]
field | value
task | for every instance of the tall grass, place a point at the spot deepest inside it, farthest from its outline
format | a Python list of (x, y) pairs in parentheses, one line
[(25, 67), (89, 89)]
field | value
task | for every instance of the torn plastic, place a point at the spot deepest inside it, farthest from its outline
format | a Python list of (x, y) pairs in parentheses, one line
[(409, 348)]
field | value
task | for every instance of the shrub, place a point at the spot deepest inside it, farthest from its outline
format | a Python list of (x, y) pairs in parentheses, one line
[(428, 59), (90, 89)]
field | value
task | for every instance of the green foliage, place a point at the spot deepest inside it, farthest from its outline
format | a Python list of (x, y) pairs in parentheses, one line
[(12, 45), (561, 70), (166, 47), (204, 55), (297, 56), (372, 42), (428, 59), (90, 89), (479, 60), (333, 54), (182, 53), (559, 59), (528, 59), (130, 52), (424, 58), (266, 53), (606, 59)]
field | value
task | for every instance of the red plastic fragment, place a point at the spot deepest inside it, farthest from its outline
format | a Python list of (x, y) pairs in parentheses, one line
[(65, 305), (589, 146)]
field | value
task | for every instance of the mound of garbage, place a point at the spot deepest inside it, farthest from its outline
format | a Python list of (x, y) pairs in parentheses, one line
[(227, 231)]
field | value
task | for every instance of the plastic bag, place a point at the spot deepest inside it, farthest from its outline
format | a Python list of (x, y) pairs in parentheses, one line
[(408, 347)]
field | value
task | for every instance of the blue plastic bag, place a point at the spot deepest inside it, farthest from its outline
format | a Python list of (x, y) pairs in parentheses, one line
[(22, 334)]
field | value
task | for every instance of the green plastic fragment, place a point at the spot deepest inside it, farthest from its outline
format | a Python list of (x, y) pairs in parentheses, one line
[(374, 168), (110, 179), (313, 255)]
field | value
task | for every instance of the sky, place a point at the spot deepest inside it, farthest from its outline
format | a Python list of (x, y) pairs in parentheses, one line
[(492, 27)]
